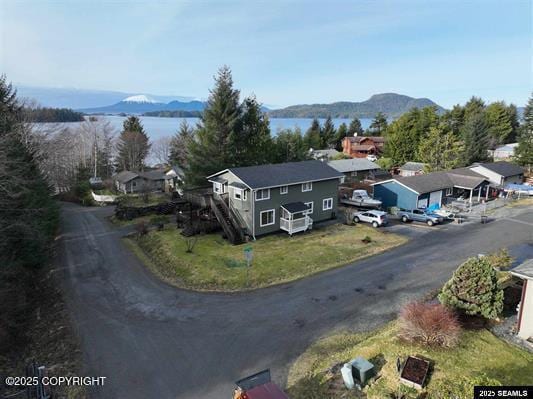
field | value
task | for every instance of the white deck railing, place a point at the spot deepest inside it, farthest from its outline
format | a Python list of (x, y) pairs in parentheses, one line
[(295, 225)]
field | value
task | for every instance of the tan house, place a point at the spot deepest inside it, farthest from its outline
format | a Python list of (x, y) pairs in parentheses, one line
[(525, 308)]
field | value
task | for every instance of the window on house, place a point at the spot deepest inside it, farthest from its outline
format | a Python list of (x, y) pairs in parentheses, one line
[(267, 217), (449, 191), (310, 206), (307, 186), (239, 194), (327, 204), (262, 194), (217, 188), (284, 189)]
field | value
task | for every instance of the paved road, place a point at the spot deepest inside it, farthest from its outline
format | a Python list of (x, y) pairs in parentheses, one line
[(154, 341)]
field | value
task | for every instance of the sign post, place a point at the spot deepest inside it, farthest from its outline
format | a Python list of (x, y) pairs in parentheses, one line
[(248, 255)]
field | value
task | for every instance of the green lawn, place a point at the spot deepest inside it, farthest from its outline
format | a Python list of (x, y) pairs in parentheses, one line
[(217, 265), (479, 353)]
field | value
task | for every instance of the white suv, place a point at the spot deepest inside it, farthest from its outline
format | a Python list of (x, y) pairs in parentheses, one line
[(377, 218)]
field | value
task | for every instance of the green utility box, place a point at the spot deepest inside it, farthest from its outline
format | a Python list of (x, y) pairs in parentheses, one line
[(362, 369)]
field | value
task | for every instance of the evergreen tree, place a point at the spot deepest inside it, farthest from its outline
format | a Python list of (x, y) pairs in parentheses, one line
[(133, 145), (251, 144), (378, 126), (440, 149), (342, 132), (474, 289), (211, 151), (405, 133), (476, 139), (355, 127), (524, 150), (474, 106), (328, 134), (179, 145), (289, 146), (500, 124), (454, 119), (312, 138), (28, 214)]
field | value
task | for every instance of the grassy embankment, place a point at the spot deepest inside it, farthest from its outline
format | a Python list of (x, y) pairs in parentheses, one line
[(215, 264), (479, 353)]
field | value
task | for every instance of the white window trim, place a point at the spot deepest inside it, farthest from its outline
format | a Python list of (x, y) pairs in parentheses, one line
[(284, 190), (449, 191), (261, 217), (310, 211), (324, 201), (264, 198), (242, 192), (310, 183)]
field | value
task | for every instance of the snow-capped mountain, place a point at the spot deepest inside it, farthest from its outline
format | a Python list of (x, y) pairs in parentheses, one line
[(140, 98), (141, 103)]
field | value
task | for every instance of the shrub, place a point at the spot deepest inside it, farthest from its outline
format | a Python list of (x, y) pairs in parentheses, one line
[(429, 324), (501, 259), (367, 239), (474, 289)]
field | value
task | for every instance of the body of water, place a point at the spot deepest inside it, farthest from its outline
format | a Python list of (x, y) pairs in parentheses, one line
[(157, 127)]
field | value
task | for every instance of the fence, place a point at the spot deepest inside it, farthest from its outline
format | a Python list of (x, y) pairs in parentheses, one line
[(106, 199)]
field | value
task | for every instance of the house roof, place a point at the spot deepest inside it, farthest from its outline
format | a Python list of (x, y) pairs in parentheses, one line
[(363, 147), (281, 174), (295, 207), (524, 270), (236, 184), (358, 139), (413, 166), (434, 181), (177, 170), (502, 168), (328, 152), (153, 175), (125, 176), (353, 165)]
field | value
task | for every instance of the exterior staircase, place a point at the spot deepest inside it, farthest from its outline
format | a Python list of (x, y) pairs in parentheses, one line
[(229, 225)]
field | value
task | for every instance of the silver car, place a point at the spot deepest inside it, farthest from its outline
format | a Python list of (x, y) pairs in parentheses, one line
[(376, 218)]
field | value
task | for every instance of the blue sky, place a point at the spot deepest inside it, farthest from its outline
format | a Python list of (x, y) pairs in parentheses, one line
[(286, 52)]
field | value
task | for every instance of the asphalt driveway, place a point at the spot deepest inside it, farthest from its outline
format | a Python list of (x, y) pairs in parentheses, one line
[(155, 341)]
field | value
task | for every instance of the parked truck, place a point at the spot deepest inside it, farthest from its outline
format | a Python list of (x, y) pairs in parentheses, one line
[(419, 215), (361, 199)]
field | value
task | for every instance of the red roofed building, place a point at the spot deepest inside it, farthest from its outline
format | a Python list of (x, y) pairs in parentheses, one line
[(361, 146)]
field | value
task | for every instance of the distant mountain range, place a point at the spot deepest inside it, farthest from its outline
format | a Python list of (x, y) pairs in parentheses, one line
[(141, 103), (391, 104), (98, 101), (81, 98)]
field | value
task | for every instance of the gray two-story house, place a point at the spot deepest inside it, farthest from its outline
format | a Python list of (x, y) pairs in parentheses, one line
[(288, 196)]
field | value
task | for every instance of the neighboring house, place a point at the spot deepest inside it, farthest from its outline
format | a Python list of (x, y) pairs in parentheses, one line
[(500, 173), (174, 178), (432, 188), (266, 198), (324, 155), (355, 169), (525, 311), (129, 182), (504, 152), (411, 169), (361, 146)]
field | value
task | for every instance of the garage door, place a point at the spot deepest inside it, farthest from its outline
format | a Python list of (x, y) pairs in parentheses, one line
[(435, 197)]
